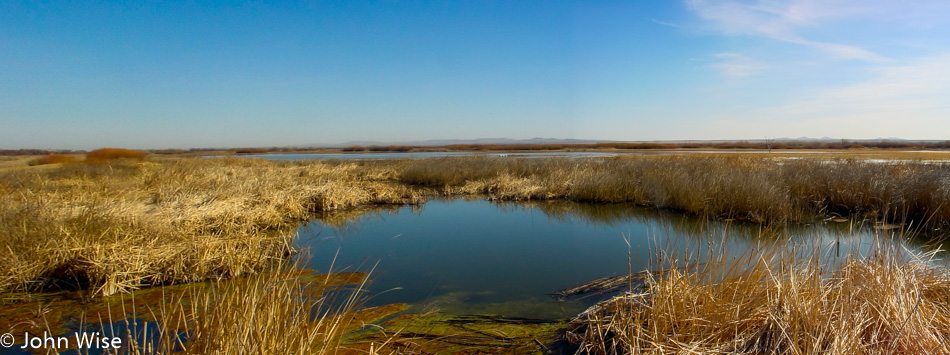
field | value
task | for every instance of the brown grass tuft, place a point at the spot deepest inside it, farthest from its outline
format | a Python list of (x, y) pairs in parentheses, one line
[(105, 155), (268, 313), (767, 302), (53, 159)]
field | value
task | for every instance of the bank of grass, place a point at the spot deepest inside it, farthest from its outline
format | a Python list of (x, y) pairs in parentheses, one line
[(127, 224), (769, 302), (759, 189)]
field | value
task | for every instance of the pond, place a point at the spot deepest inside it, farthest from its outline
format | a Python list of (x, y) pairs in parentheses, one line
[(475, 256)]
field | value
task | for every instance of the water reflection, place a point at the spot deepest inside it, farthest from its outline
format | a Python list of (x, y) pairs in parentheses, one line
[(506, 258)]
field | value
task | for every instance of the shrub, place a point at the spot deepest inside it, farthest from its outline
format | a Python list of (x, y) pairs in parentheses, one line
[(250, 151), (53, 159), (105, 155)]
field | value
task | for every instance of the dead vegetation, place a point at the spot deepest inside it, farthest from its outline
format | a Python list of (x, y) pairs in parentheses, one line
[(119, 226), (53, 159), (754, 188), (280, 310), (770, 302), (130, 223)]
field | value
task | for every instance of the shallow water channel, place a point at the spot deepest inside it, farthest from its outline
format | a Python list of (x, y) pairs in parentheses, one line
[(482, 257)]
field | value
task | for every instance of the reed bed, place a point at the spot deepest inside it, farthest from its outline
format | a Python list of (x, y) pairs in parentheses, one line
[(769, 302), (131, 223), (754, 188), (115, 227)]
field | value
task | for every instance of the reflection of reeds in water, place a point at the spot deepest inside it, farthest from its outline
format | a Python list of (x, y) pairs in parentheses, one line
[(770, 301)]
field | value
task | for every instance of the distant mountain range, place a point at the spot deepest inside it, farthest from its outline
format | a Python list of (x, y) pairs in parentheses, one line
[(441, 142)]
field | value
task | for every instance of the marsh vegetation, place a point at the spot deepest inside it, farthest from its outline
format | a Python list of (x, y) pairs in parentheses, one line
[(129, 223)]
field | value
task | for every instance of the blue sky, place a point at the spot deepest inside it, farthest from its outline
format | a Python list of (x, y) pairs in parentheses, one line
[(221, 74)]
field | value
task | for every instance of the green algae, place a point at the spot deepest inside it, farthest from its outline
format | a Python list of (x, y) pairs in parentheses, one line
[(463, 334)]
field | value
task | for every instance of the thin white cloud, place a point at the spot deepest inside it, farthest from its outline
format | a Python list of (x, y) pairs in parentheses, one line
[(664, 23), (737, 65), (844, 51), (783, 21)]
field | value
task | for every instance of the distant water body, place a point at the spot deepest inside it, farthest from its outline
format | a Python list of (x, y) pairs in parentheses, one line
[(422, 155)]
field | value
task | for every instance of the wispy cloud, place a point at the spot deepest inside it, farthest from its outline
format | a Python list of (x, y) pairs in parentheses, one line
[(783, 21), (665, 23), (737, 65)]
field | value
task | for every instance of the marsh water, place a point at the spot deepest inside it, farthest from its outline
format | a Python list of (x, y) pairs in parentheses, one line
[(475, 256), (482, 257), (424, 155)]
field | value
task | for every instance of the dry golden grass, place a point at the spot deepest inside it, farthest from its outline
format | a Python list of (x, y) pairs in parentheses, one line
[(752, 187), (277, 311), (268, 313), (767, 303), (116, 227), (106, 155), (53, 159), (132, 223)]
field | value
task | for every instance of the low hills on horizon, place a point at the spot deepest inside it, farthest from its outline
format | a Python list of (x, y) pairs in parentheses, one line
[(507, 141)]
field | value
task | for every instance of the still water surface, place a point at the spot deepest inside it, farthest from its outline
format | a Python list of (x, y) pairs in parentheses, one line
[(483, 257)]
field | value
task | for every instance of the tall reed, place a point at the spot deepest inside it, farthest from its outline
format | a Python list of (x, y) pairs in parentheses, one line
[(889, 302), (754, 188)]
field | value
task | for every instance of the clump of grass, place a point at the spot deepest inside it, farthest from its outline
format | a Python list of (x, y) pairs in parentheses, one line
[(53, 159), (280, 310), (268, 313), (769, 302), (132, 224), (105, 155)]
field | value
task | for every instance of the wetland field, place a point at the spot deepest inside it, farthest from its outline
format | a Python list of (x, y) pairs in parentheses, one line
[(592, 252)]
